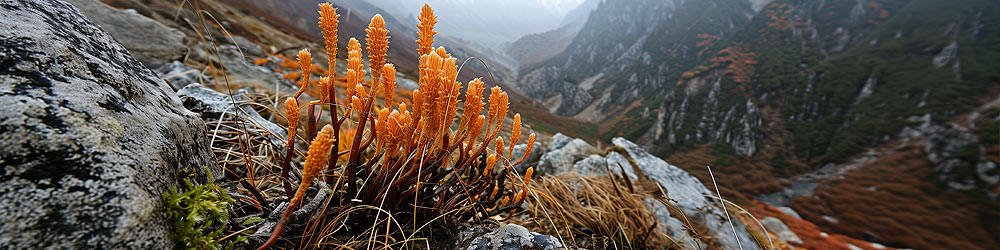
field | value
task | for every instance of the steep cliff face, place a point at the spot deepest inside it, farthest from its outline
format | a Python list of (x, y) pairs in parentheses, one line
[(619, 55)]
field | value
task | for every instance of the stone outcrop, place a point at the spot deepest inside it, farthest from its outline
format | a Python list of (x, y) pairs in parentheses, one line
[(569, 155), (92, 138), (690, 194), (149, 41), (561, 153)]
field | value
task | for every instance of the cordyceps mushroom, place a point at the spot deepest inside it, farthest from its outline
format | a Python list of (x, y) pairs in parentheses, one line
[(305, 62), (328, 24), (520, 195), (425, 35), (316, 158), (378, 45), (292, 111)]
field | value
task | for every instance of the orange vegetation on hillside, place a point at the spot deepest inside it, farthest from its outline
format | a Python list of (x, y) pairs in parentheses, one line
[(903, 206), (738, 60)]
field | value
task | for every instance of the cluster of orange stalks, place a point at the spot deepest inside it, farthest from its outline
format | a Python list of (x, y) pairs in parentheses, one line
[(416, 162)]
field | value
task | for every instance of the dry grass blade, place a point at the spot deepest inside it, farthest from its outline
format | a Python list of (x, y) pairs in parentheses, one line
[(730, 219), (596, 215)]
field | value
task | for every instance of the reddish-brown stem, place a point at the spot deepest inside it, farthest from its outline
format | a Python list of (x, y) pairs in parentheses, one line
[(352, 160), (311, 124), (334, 155), (280, 227), (287, 166)]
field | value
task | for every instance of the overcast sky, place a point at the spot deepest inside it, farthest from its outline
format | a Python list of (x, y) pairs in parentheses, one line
[(487, 21)]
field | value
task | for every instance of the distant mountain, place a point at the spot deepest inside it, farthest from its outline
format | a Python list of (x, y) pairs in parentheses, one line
[(484, 23), (770, 91), (535, 48)]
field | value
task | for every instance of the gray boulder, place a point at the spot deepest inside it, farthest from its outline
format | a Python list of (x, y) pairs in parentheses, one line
[(690, 194), (512, 237), (595, 165), (179, 75), (562, 153), (149, 41), (532, 157), (558, 141), (776, 227), (670, 225), (92, 138)]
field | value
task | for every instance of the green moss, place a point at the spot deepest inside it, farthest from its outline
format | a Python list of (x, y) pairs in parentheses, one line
[(198, 217)]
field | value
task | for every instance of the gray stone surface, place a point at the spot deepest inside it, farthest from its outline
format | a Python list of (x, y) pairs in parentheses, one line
[(179, 75), (670, 225), (776, 227), (562, 154), (149, 41), (92, 138), (249, 47), (690, 195), (241, 71), (790, 212), (595, 165), (513, 237), (536, 152), (212, 105), (558, 141)]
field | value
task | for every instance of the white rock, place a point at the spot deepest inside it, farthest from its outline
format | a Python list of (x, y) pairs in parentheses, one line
[(776, 227)]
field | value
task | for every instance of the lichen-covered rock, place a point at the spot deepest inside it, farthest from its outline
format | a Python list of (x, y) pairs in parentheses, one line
[(149, 41), (691, 196), (92, 138), (513, 237)]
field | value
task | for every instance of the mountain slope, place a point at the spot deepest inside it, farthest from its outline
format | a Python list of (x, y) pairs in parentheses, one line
[(535, 48), (769, 94)]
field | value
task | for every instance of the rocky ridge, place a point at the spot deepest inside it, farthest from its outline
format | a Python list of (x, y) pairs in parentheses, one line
[(689, 193)]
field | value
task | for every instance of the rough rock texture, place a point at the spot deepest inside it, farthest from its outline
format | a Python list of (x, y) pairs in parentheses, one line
[(212, 105), (690, 195), (776, 227), (595, 165), (513, 237), (179, 75), (561, 153), (149, 41), (91, 137), (672, 226)]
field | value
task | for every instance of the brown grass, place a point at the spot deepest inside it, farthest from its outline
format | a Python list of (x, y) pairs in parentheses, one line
[(597, 212)]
